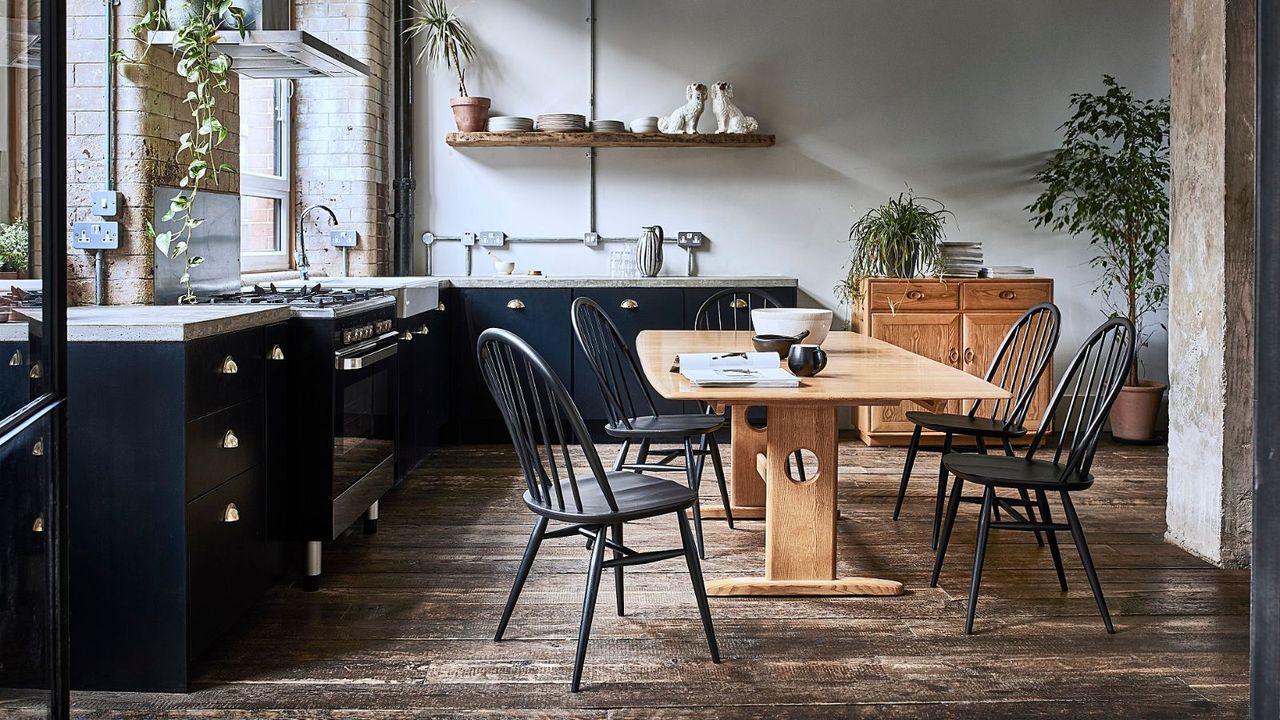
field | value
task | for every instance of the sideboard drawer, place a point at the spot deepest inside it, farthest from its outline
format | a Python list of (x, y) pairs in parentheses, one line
[(223, 444), (923, 294), (1006, 295), (224, 370)]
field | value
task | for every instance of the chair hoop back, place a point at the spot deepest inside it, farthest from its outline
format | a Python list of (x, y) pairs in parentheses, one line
[(1093, 380), (724, 310), (622, 384), (542, 419), (1020, 362)]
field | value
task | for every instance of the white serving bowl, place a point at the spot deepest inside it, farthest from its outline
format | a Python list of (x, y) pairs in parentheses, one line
[(792, 321)]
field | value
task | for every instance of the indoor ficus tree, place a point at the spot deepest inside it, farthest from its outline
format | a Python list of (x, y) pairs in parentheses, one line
[(1110, 181), (207, 73)]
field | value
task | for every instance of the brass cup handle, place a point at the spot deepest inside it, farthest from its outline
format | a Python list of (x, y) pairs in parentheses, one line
[(230, 441), (422, 330), (277, 353), (1008, 294), (440, 307), (954, 355), (228, 366), (516, 304), (38, 525), (629, 304), (406, 335), (230, 513), (915, 295), (16, 359), (968, 356), (35, 371), (739, 304), (38, 449)]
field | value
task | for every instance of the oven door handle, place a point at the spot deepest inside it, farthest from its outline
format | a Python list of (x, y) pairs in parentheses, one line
[(375, 353)]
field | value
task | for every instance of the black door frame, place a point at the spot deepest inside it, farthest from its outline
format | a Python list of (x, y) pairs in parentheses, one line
[(1264, 656)]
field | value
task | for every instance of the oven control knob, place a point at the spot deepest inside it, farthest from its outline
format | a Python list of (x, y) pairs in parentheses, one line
[(348, 336)]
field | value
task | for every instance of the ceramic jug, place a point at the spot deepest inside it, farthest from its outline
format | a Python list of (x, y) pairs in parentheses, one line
[(649, 251)]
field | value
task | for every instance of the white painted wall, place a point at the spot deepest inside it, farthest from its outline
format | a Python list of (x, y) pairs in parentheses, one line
[(959, 100)]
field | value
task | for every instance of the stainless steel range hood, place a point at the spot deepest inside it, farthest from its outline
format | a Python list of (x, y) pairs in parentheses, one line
[(270, 49)]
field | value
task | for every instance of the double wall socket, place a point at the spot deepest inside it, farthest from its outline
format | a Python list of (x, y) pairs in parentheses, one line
[(493, 238), (343, 238), (690, 239), (97, 235)]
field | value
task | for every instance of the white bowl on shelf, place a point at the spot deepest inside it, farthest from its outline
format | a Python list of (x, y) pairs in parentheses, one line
[(792, 321)]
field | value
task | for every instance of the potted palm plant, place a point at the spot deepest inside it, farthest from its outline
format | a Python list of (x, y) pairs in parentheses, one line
[(1109, 181), (902, 238), (447, 43)]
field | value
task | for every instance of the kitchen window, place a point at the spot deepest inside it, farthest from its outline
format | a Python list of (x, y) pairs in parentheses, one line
[(265, 174)]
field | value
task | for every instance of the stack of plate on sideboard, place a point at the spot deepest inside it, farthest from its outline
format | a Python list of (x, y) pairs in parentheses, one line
[(562, 122), (510, 123), (961, 259)]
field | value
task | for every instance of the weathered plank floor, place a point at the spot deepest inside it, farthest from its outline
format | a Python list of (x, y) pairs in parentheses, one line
[(403, 625)]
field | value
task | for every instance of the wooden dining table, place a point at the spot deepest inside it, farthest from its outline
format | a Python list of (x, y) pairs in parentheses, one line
[(799, 508)]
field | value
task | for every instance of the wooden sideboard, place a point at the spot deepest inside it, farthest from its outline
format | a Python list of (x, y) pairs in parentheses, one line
[(957, 321)]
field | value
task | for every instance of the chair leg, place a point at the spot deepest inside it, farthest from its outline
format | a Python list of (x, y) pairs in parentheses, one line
[(718, 465), (953, 506), (798, 458), (619, 461), (1031, 513), (617, 571), (1077, 533), (942, 491), (979, 553), (699, 585), (588, 607), (690, 470), (906, 470), (642, 455), (1052, 536), (522, 574), (982, 450)]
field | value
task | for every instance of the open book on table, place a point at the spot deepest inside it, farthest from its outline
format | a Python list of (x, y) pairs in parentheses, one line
[(735, 369)]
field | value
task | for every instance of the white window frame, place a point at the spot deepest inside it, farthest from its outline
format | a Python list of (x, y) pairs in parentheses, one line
[(275, 187)]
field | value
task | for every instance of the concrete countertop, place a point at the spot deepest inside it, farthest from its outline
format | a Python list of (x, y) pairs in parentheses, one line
[(154, 323), (601, 281)]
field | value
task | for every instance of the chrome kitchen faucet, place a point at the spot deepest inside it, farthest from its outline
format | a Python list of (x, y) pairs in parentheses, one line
[(304, 266)]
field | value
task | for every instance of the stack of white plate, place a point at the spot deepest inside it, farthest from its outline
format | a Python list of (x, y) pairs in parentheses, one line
[(645, 125), (562, 122), (510, 123), (608, 126)]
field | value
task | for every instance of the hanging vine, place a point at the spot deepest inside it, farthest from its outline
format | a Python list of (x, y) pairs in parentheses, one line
[(207, 72)]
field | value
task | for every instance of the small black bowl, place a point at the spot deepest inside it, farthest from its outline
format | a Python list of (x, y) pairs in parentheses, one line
[(780, 344)]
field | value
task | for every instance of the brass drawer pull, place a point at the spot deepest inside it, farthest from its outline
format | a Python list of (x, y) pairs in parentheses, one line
[(230, 513), (968, 356), (38, 525), (35, 371), (230, 441), (440, 307), (629, 304), (915, 295), (516, 304), (1008, 294), (277, 353), (739, 304), (38, 449), (228, 366), (406, 335), (16, 359)]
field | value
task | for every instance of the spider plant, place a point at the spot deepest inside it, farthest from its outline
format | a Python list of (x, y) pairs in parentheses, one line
[(446, 42), (901, 238)]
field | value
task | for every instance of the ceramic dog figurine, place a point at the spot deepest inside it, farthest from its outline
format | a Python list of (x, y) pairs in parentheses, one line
[(685, 118), (729, 119)]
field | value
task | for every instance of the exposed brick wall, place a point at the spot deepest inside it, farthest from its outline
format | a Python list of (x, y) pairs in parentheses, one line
[(342, 131), (149, 117)]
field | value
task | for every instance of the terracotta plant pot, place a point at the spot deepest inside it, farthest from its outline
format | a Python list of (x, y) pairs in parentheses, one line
[(1133, 417), (471, 112)]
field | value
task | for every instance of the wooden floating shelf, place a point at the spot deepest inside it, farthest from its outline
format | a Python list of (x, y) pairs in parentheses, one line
[(606, 140)]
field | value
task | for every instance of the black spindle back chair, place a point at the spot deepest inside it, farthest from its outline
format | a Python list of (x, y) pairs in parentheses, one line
[(546, 431), (1019, 363), (1058, 463), (618, 374), (730, 309)]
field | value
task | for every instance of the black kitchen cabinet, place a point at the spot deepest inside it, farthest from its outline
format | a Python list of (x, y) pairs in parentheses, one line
[(176, 471), (539, 315), (424, 387), (632, 310), (694, 297)]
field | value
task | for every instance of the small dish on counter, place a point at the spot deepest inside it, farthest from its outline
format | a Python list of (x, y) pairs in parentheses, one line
[(504, 267)]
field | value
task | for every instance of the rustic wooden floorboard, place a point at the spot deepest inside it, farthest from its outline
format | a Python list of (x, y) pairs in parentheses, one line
[(403, 624)]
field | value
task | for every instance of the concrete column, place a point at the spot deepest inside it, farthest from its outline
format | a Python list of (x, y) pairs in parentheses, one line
[(1211, 279)]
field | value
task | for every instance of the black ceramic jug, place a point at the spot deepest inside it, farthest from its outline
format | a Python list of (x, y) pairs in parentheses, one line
[(806, 360)]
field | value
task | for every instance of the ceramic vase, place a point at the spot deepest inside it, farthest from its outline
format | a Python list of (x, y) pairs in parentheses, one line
[(649, 251)]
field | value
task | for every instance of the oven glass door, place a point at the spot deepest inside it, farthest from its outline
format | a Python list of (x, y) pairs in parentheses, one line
[(365, 410)]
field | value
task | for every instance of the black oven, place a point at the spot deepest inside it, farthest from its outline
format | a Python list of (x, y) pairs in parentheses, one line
[(364, 430)]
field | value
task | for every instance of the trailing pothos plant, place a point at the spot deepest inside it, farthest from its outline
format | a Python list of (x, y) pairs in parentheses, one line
[(207, 72)]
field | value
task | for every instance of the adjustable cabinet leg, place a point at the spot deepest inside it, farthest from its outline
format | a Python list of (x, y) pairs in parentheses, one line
[(311, 572), (371, 520)]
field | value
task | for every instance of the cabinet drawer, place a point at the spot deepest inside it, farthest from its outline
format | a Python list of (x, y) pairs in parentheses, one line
[(228, 556), (923, 294), (223, 444), (224, 370), (1005, 295)]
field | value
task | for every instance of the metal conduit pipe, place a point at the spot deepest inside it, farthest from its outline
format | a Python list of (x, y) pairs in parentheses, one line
[(108, 140)]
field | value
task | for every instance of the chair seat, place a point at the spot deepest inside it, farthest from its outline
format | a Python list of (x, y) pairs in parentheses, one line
[(1014, 472), (637, 496), (964, 425), (674, 426)]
